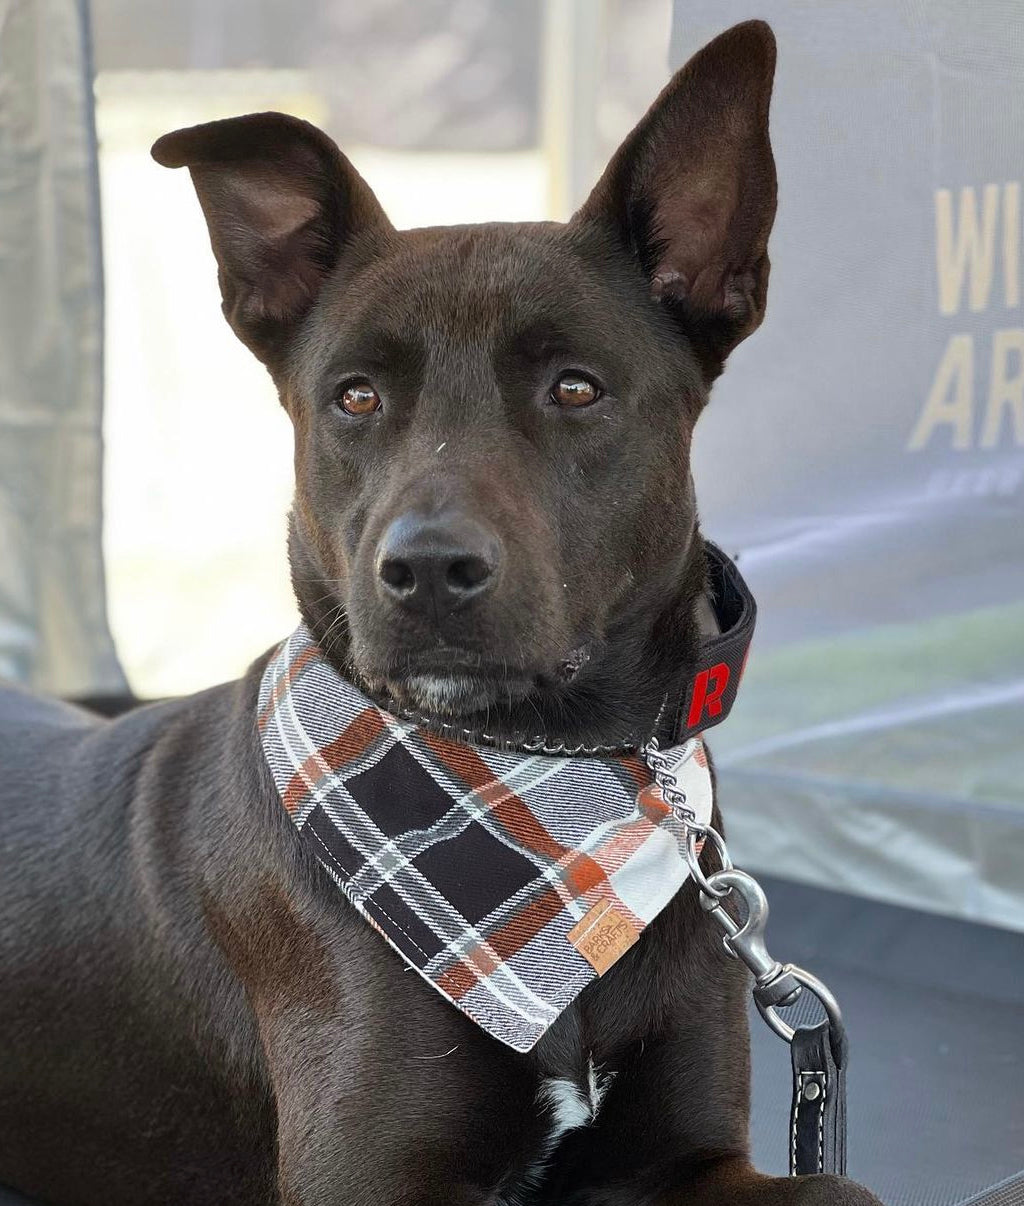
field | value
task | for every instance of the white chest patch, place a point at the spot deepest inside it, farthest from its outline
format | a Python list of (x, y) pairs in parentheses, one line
[(569, 1105), (572, 1103)]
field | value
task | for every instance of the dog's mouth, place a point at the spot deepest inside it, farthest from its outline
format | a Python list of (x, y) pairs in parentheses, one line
[(460, 688)]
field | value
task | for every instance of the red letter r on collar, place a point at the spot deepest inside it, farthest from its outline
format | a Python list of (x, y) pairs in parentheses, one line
[(707, 702)]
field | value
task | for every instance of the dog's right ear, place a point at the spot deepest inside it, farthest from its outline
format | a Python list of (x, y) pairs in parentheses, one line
[(691, 192), (281, 202)]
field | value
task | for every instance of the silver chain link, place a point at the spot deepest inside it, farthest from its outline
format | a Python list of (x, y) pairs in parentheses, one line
[(697, 833)]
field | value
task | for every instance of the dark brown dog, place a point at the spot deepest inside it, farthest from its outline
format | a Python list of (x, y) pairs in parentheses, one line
[(494, 516)]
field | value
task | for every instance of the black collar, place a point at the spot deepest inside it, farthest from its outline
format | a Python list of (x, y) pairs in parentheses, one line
[(705, 697)]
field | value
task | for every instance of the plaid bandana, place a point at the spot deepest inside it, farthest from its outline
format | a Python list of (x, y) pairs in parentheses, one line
[(508, 880)]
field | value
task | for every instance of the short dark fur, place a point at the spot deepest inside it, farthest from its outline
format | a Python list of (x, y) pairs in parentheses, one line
[(190, 1012)]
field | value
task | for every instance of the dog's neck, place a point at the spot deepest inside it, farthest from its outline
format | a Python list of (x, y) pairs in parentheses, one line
[(617, 698)]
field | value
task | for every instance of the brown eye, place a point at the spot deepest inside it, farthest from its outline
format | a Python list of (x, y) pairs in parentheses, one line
[(574, 390), (359, 398)]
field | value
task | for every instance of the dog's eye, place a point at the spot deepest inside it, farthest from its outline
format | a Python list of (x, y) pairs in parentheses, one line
[(573, 389), (358, 398)]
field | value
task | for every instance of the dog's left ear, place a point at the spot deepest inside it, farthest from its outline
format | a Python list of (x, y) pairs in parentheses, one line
[(691, 192)]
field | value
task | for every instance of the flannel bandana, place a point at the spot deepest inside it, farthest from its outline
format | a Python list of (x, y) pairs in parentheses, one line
[(509, 881)]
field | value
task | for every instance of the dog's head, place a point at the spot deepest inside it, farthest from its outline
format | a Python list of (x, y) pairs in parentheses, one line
[(494, 510)]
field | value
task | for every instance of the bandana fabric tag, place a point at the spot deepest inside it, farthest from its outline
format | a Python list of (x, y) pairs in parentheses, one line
[(509, 881), (603, 936)]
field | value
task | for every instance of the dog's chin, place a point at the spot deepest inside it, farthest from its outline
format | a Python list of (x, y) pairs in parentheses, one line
[(458, 694), (467, 692), (461, 691), (448, 695)]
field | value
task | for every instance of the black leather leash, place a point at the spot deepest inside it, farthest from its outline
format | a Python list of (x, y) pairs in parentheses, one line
[(817, 1118)]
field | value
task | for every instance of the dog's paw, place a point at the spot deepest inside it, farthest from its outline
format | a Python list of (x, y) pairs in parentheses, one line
[(828, 1190)]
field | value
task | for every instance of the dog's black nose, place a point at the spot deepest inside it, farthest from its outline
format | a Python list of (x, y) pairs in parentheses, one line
[(435, 564)]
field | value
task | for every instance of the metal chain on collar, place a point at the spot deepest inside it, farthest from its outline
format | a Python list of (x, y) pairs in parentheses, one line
[(697, 833), (537, 744), (776, 985)]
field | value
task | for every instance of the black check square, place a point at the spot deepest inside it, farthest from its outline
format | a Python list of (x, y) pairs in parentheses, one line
[(413, 937), (397, 794), (479, 872)]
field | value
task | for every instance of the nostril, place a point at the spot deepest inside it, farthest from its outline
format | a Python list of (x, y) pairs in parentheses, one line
[(467, 573), (398, 575)]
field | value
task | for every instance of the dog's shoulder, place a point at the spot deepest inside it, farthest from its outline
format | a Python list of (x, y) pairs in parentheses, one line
[(36, 735), (63, 762), (24, 711)]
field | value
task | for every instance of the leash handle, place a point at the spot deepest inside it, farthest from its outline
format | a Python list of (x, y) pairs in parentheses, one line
[(817, 1117)]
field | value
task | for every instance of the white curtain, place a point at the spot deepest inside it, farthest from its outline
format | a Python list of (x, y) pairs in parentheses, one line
[(53, 627)]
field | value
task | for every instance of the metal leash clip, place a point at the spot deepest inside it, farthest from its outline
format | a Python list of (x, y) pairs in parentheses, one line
[(776, 985), (818, 1052)]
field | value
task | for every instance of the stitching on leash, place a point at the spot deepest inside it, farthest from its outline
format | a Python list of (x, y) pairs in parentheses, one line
[(803, 1078)]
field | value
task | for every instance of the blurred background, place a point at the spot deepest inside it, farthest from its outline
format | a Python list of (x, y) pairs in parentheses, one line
[(863, 455)]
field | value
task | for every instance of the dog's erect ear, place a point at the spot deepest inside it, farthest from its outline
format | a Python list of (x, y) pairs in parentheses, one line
[(691, 192), (281, 201)]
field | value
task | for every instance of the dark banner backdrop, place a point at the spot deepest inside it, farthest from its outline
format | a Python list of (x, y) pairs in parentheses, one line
[(864, 455)]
